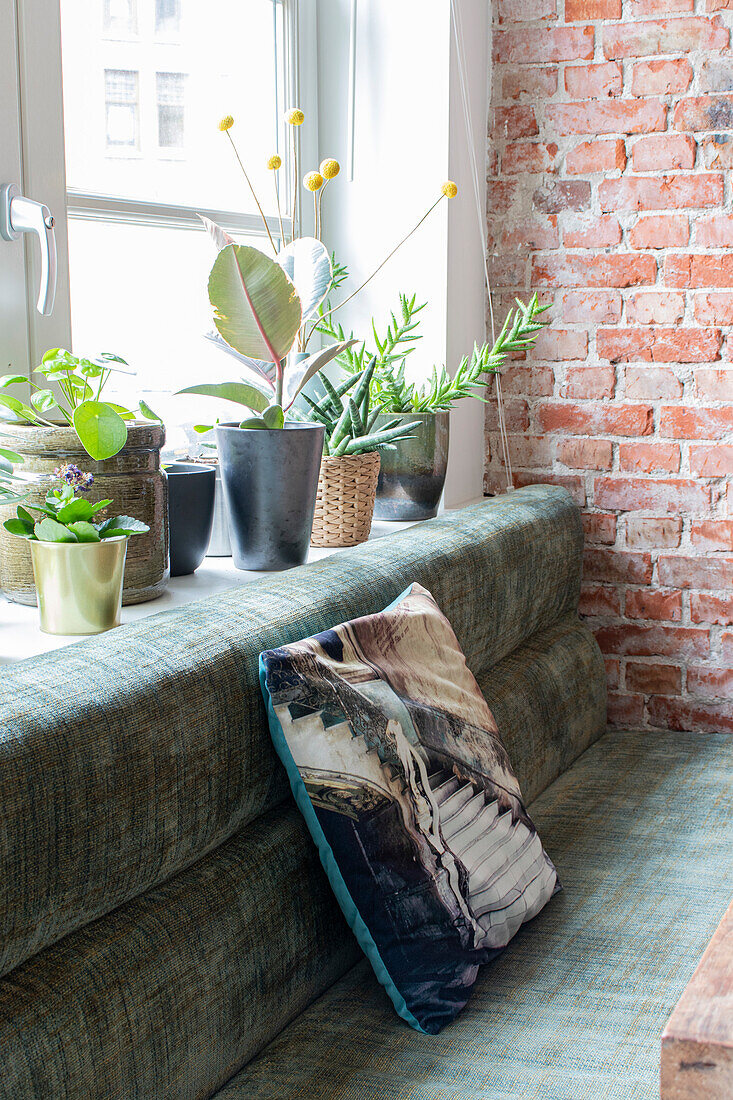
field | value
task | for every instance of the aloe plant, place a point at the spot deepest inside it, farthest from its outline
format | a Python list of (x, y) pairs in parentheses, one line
[(349, 419), (10, 485)]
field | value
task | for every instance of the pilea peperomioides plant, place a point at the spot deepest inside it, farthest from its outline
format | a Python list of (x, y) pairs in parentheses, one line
[(349, 419)]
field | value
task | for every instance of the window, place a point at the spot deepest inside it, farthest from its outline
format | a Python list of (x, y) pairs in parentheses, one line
[(121, 107), (120, 18), (167, 16), (170, 109)]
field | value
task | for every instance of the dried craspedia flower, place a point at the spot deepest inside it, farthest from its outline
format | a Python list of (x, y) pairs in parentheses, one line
[(450, 189), (226, 123), (80, 481), (330, 168), (274, 162), (313, 181), (295, 116)]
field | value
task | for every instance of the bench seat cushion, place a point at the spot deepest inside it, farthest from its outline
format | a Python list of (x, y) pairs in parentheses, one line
[(640, 829)]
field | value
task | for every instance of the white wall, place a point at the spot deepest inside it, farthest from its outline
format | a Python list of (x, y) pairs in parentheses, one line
[(409, 138)]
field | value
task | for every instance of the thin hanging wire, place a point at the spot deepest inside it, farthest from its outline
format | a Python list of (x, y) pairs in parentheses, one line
[(480, 215)]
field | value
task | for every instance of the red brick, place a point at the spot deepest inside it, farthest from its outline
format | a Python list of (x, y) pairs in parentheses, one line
[(574, 485), (651, 383), (629, 494), (585, 305), (528, 156), (530, 381), (621, 269), (562, 195), (649, 458), (678, 422), (646, 531), (649, 154), (516, 415), (713, 534), (717, 150), (611, 116), (509, 271), (535, 83), (661, 77), (543, 44), (500, 195), (643, 603), (589, 382), (715, 231), (711, 461), (594, 81), (515, 122), (710, 683), (716, 75), (524, 450), (715, 307), (705, 112), (586, 454), (560, 344), (726, 645), (616, 566), (661, 307), (581, 11), (658, 7), (660, 231), (526, 11), (653, 640), (599, 528), (528, 235), (676, 713), (706, 608), (596, 156), (599, 599), (659, 345), (693, 270), (653, 679), (714, 385), (598, 232), (610, 419), (711, 573), (661, 192), (663, 36), (625, 711), (613, 672)]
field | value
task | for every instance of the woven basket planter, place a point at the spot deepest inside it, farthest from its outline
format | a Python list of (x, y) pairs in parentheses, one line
[(345, 499)]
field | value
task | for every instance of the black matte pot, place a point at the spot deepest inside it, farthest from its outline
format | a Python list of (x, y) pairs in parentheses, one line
[(191, 514)]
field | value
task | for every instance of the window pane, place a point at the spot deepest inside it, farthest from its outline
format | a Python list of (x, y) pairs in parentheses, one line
[(149, 305), (196, 62)]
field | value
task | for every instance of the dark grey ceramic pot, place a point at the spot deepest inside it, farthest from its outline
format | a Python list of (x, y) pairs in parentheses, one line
[(270, 479), (190, 514), (412, 476)]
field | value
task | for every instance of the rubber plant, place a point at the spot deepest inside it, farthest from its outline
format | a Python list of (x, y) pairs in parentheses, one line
[(76, 401)]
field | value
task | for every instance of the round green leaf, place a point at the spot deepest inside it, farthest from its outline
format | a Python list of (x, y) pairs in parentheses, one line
[(11, 380), (273, 417), (85, 532), (20, 528), (148, 413), (122, 525), (48, 530), (102, 432), (240, 392), (17, 407), (76, 509), (43, 400)]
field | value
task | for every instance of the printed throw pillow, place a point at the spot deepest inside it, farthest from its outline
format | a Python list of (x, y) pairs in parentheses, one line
[(396, 763)]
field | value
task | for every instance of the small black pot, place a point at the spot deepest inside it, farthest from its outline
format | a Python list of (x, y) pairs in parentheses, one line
[(191, 514)]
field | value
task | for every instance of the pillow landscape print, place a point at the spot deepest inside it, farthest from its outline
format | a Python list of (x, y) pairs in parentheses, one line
[(396, 764)]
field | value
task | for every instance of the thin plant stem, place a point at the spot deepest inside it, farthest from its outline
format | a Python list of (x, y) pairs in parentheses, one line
[(254, 196), (279, 212), (315, 213), (295, 182), (376, 270), (319, 219)]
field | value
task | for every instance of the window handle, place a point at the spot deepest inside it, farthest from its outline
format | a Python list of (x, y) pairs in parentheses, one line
[(21, 215)]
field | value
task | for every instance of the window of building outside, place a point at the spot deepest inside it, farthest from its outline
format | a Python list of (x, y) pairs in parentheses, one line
[(145, 85)]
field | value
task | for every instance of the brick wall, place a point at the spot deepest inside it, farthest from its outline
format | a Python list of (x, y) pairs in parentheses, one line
[(610, 150)]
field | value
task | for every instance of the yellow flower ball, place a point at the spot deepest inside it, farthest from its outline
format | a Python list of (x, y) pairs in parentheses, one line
[(330, 168), (274, 162), (313, 181), (295, 116), (450, 189), (226, 123)]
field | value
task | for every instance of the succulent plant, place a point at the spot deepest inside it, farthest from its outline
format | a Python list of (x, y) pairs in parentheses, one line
[(349, 419)]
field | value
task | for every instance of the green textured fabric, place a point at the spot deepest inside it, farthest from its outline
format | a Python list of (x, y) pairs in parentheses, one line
[(170, 994), (127, 757), (641, 830)]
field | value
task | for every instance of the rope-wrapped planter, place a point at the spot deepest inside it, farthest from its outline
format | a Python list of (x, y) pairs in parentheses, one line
[(345, 499)]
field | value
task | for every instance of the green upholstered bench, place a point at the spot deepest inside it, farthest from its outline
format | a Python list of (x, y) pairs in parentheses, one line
[(166, 930)]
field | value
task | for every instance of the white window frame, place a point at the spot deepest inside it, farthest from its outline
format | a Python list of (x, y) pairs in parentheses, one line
[(32, 123)]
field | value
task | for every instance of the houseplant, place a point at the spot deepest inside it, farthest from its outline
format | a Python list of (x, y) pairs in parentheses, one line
[(347, 481), (78, 560), (70, 423), (412, 474)]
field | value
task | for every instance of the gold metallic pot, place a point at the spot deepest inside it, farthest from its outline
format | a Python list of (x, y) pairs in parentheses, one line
[(79, 584)]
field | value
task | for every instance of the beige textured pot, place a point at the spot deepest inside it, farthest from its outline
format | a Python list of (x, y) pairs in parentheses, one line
[(134, 482), (345, 499)]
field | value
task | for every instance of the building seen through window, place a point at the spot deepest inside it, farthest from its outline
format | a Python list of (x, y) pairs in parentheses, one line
[(121, 107)]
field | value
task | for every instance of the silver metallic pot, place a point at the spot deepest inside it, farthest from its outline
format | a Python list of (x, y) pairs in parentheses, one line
[(412, 475)]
